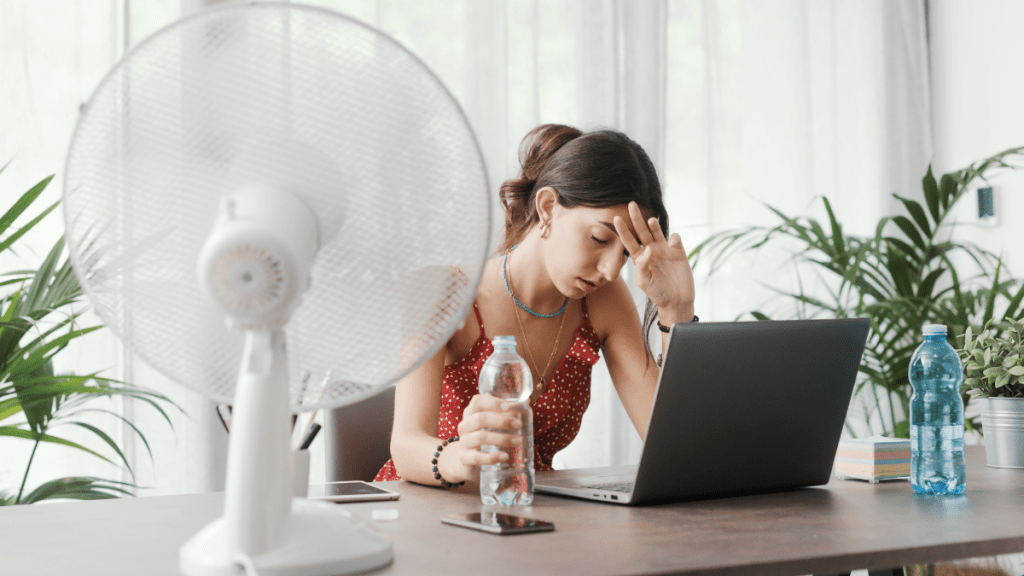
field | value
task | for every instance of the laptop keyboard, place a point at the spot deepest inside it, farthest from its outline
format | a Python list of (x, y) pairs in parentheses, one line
[(626, 487)]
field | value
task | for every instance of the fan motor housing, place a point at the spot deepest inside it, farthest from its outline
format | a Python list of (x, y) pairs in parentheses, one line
[(256, 263)]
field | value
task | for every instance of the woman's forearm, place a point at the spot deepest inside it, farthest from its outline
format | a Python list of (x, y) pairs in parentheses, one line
[(412, 456)]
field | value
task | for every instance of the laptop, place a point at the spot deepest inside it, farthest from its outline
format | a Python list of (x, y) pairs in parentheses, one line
[(740, 408)]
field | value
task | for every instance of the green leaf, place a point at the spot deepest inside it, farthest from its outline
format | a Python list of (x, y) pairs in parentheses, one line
[(837, 231), (1003, 379), (994, 372), (1016, 371), (38, 357), (9, 407), (10, 240), (19, 433), (78, 488), (917, 213), (901, 429), (1014, 303), (931, 194), (911, 232), (110, 442), (22, 204), (948, 191), (928, 284)]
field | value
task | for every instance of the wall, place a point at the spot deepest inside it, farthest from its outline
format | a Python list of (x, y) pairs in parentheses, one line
[(978, 106)]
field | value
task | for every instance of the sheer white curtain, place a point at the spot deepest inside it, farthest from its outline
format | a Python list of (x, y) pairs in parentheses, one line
[(780, 102), (738, 102)]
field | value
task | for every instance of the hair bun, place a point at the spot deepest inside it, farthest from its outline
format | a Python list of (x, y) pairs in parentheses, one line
[(540, 145), (535, 150)]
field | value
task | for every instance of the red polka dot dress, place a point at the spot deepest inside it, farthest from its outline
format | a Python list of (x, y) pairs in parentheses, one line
[(557, 413)]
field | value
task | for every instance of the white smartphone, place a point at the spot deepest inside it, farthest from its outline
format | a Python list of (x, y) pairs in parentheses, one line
[(497, 523), (350, 491)]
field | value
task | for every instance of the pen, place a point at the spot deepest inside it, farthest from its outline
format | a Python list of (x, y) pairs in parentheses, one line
[(300, 430), (225, 420), (310, 436)]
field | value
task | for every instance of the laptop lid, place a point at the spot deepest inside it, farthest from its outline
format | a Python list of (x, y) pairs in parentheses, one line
[(749, 407)]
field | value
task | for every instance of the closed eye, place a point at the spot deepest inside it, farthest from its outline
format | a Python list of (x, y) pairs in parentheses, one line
[(625, 253)]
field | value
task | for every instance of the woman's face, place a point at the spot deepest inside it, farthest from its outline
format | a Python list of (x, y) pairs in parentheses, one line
[(583, 251)]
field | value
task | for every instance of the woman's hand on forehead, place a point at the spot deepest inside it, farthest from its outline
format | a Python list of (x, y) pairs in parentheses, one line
[(662, 268)]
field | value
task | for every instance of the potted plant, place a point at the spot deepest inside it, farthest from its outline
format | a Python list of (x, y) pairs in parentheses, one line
[(38, 319), (994, 370), (912, 271)]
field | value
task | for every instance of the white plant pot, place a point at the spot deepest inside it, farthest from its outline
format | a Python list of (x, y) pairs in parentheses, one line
[(1002, 423)]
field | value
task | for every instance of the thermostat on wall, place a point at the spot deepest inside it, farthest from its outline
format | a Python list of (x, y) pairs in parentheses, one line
[(985, 203)]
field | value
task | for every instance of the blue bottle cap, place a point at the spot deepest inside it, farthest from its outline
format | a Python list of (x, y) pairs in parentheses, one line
[(933, 330)]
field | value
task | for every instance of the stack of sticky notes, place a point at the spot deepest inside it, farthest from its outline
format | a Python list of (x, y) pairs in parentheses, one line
[(873, 459)]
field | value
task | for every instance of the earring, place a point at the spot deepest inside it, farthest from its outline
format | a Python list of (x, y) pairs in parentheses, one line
[(544, 229)]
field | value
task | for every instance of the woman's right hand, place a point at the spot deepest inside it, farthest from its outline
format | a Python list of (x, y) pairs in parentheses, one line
[(481, 420)]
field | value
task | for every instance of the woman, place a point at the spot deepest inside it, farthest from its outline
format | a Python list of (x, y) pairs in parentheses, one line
[(582, 205)]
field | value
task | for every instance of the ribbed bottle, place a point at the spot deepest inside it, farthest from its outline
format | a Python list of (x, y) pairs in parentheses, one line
[(506, 375), (936, 416)]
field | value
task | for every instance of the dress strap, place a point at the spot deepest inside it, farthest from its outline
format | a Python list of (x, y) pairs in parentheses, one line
[(584, 303), (479, 319)]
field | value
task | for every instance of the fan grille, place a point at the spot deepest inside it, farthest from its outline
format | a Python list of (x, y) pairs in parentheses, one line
[(313, 101)]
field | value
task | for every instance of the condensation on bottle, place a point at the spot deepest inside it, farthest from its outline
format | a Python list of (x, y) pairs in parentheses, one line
[(936, 416), (506, 375)]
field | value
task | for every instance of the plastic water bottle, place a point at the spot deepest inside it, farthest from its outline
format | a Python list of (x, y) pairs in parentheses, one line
[(936, 416), (506, 375)]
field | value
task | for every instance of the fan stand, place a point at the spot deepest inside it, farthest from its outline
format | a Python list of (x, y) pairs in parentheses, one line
[(264, 530)]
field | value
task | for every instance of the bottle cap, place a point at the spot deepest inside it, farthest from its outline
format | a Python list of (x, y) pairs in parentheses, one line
[(933, 330), (504, 341)]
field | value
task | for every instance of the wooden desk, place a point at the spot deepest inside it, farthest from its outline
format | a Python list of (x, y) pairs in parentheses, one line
[(843, 526)]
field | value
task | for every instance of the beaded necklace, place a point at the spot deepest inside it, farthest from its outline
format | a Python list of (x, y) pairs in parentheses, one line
[(504, 274)]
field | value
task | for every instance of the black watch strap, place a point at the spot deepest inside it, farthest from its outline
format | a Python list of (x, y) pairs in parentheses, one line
[(664, 328)]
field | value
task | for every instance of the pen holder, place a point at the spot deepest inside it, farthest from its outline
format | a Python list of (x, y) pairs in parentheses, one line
[(300, 473)]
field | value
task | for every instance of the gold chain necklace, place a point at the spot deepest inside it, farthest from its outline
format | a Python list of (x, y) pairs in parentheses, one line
[(538, 380)]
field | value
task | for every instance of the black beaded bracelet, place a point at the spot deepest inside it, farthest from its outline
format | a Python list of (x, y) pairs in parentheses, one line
[(437, 454), (664, 328)]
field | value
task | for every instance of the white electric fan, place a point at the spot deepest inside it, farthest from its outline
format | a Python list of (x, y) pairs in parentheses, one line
[(259, 174)]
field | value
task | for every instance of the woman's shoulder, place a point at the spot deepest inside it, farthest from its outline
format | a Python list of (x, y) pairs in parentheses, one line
[(469, 334)]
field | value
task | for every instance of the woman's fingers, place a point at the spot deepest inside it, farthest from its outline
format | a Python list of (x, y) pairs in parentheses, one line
[(474, 453), (676, 242), (492, 438), (496, 421), (487, 421), (626, 236), (483, 403), (643, 229), (655, 227), (478, 458), (490, 428), (486, 411)]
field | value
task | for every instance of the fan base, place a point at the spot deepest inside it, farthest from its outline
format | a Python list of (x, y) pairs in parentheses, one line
[(319, 539)]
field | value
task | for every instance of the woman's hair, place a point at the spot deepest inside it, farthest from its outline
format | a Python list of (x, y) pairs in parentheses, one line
[(596, 169)]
